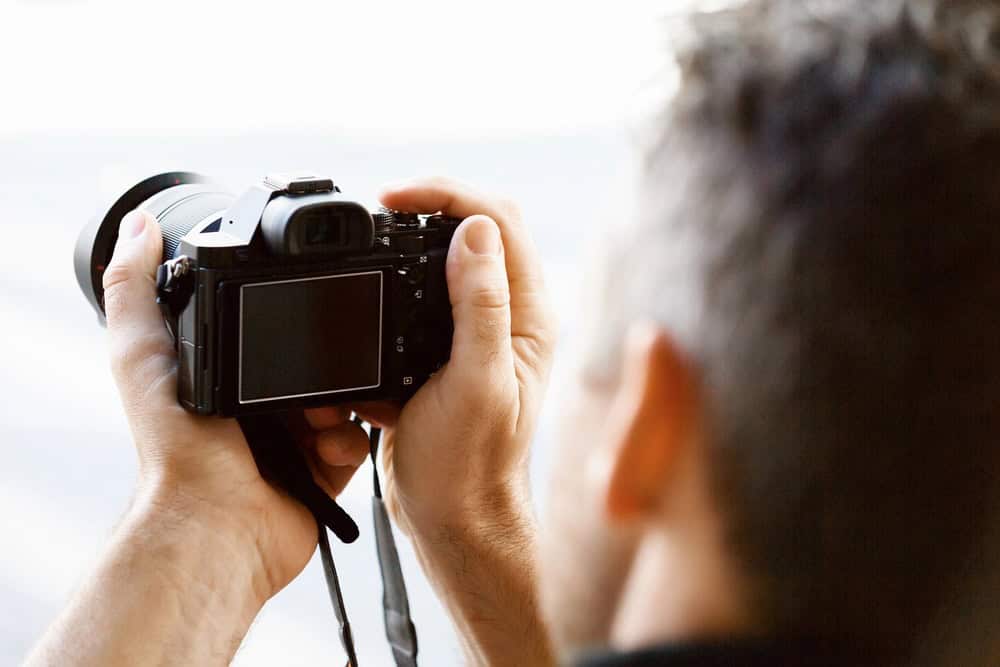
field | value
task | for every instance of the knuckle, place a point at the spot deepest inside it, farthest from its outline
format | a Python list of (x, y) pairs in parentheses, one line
[(496, 296), (509, 209), (115, 275), (116, 280), (131, 356)]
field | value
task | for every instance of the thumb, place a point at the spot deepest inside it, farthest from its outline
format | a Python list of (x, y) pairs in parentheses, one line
[(135, 324), (481, 355)]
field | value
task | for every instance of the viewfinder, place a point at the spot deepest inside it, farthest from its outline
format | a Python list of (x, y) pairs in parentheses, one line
[(324, 226)]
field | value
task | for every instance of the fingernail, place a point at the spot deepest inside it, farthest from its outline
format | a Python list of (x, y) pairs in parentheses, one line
[(483, 237), (132, 225)]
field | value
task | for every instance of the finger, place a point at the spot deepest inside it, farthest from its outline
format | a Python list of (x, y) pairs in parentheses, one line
[(332, 479), (343, 445), (480, 304), (528, 303), (326, 417), (142, 351), (448, 196)]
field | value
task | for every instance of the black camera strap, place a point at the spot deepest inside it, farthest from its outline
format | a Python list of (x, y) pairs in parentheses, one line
[(399, 628), (174, 286), (281, 462), (336, 596), (274, 450)]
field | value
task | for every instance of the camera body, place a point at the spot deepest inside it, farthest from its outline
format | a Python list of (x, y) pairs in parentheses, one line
[(291, 295)]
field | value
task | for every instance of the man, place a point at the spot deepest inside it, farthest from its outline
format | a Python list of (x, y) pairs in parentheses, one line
[(780, 448)]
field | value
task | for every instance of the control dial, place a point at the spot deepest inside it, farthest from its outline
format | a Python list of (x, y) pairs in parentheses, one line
[(383, 219), (386, 218)]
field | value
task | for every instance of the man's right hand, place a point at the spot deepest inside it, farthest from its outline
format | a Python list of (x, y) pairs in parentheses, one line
[(460, 445), (456, 456), (459, 448)]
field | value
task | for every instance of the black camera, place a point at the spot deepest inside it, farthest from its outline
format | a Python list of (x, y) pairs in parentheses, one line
[(290, 295)]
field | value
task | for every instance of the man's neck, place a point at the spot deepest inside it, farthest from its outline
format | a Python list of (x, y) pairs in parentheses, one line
[(676, 594)]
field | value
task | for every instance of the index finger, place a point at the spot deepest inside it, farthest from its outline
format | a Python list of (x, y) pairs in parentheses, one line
[(433, 195)]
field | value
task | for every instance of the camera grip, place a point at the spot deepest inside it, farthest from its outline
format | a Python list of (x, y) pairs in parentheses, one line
[(280, 461)]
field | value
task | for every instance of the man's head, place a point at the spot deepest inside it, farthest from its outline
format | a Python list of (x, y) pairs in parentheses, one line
[(786, 424)]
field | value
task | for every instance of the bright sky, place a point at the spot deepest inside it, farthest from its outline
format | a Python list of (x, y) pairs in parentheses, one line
[(371, 67)]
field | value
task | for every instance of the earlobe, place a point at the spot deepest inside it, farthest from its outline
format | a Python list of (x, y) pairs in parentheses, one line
[(652, 419)]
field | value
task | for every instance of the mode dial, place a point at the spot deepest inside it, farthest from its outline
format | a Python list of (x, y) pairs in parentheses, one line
[(385, 218)]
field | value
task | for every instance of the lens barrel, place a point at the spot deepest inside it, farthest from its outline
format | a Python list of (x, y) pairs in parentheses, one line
[(181, 207), (178, 200)]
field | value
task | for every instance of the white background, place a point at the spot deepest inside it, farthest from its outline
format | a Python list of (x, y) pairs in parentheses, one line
[(537, 100)]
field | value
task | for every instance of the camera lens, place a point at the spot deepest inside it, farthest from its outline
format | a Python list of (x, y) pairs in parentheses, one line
[(182, 207), (178, 200)]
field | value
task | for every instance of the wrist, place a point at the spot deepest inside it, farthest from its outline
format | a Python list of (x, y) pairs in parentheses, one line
[(482, 564), (206, 557), (476, 511), (168, 590), (486, 526)]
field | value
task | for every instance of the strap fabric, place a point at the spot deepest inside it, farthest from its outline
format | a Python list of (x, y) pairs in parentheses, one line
[(174, 287), (281, 462), (399, 628), (275, 452), (274, 448), (336, 596)]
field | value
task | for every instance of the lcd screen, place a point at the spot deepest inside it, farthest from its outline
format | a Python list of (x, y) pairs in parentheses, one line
[(310, 336)]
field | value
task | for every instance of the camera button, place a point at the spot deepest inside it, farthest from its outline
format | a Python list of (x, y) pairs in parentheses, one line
[(412, 274), (410, 244)]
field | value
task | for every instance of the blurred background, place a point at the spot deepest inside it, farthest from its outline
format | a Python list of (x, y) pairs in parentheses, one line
[(536, 100)]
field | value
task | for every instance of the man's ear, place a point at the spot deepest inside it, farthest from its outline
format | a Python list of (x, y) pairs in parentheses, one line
[(653, 419)]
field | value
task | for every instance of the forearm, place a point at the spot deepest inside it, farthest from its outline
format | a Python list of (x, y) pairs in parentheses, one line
[(169, 590), (484, 571)]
